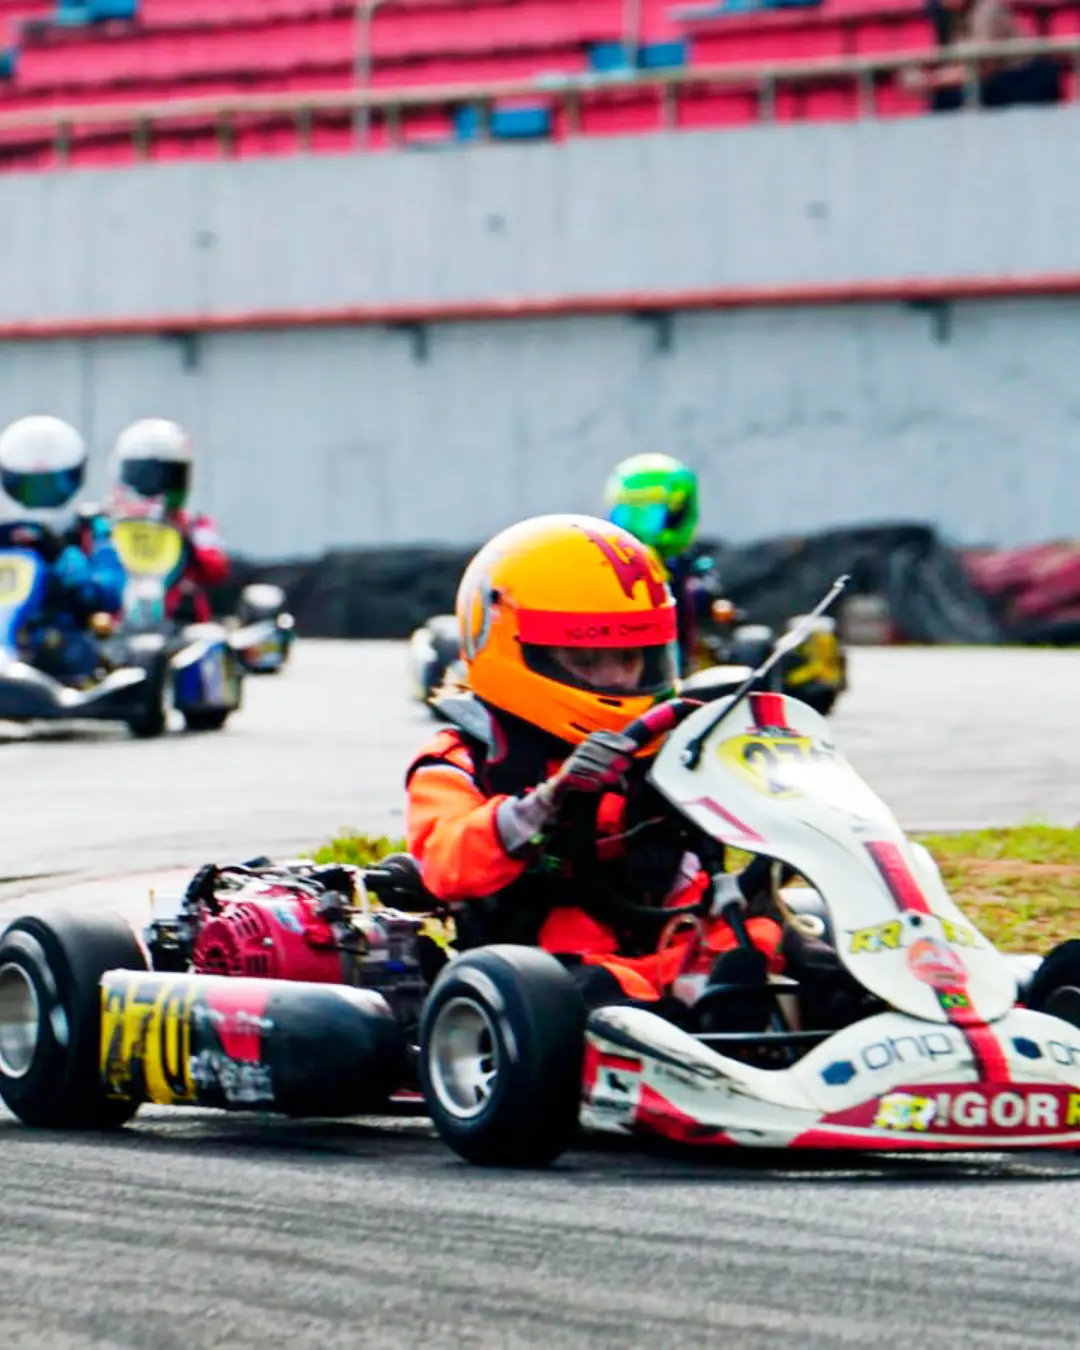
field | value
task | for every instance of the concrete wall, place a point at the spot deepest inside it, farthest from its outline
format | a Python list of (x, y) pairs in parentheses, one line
[(797, 420), (994, 192)]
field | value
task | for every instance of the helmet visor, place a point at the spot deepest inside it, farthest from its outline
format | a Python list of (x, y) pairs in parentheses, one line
[(156, 478), (646, 521), (45, 490), (618, 672)]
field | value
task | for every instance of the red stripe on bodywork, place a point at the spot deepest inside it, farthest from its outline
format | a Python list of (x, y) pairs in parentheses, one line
[(768, 711), (659, 1116), (990, 1062), (710, 805), (903, 887)]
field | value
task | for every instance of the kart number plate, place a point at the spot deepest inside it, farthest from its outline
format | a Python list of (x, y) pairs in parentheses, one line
[(775, 765), (147, 547), (16, 581)]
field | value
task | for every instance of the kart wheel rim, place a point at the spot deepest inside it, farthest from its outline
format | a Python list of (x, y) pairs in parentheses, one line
[(20, 1021), (463, 1058)]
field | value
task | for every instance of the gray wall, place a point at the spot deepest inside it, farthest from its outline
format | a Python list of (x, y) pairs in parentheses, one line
[(797, 419), (993, 192)]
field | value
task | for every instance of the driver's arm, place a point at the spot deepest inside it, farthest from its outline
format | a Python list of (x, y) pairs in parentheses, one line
[(452, 833)]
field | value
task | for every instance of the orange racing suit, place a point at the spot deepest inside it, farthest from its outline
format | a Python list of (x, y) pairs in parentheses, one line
[(561, 892)]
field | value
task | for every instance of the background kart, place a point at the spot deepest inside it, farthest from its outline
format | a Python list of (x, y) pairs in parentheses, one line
[(196, 665), (263, 631), (124, 690), (291, 990)]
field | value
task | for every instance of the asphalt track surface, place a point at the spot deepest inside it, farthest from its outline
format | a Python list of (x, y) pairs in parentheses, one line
[(204, 1230)]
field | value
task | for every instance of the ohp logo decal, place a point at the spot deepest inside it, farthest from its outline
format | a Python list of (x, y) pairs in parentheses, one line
[(630, 565)]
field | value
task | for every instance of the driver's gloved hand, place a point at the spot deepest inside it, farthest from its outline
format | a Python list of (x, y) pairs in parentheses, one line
[(599, 764)]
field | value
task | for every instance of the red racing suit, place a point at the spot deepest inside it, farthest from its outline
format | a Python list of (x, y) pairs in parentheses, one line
[(564, 894), (206, 565)]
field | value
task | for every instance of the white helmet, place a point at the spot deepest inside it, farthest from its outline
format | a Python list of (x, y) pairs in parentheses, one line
[(42, 465), (151, 464)]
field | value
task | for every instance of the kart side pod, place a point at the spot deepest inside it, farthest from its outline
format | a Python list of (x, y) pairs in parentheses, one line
[(88, 1032), (239, 1044)]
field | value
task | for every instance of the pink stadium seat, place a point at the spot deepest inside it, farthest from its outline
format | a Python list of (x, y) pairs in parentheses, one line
[(714, 47), (187, 48), (1065, 22), (894, 35)]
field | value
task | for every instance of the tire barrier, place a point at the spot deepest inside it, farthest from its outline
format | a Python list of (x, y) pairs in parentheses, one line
[(1033, 592), (929, 590)]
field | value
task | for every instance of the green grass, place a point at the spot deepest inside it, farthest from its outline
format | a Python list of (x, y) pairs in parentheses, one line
[(1020, 886)]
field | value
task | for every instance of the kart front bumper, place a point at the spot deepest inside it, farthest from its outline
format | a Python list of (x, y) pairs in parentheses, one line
[(890, 1083), (29, 695)]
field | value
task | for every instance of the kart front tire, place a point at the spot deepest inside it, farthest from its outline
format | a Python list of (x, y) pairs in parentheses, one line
[(50, 1017), (153, 720), (213, 720), (1055, 986), (501, 1051)]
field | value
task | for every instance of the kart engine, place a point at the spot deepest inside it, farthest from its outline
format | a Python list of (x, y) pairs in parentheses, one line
[(297, 922), (273, 932)]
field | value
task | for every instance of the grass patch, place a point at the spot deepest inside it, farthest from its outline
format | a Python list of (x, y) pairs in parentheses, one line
[(1020, 886), (359, 850)]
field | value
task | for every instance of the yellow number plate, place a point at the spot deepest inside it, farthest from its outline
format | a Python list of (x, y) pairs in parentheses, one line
[(148, 548), (16, 580), (775, 765)]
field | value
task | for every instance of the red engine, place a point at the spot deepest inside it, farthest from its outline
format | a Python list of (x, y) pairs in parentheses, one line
[(269, 931)]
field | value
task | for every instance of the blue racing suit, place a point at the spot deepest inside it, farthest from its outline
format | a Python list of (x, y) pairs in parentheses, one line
[(86, 577)]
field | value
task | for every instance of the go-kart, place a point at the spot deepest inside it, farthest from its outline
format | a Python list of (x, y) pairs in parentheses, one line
[(263, 631), (197, 662), (814, 670), (896, 1027), (127, 691)]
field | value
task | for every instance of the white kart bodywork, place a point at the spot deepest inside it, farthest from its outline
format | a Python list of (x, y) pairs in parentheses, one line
[(962, 1069)]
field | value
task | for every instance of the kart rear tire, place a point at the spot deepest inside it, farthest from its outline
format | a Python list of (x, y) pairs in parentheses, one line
[(50, 1017), (213, 720), (1055, 986), (516, 1010)]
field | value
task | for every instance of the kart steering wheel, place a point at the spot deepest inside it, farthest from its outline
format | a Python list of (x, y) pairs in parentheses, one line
[(658, 721)]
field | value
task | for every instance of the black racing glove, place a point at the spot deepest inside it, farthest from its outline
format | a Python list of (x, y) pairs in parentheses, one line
[(599, 764)]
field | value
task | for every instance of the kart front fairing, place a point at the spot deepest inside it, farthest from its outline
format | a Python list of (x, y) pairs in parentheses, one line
[(952, 1063), (770, 780)]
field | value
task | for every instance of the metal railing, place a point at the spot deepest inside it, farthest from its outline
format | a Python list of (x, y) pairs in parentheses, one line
[(58, 125)]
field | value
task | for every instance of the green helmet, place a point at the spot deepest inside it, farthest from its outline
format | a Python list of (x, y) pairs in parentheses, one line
[(655, 497)]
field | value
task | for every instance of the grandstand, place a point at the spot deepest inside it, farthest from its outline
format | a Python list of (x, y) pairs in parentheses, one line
[(632, 63)]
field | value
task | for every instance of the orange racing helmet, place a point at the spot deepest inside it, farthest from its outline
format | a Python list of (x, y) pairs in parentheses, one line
[(549, 597)]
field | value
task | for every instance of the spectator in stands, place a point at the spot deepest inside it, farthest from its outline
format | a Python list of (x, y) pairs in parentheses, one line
[(1003, 83)]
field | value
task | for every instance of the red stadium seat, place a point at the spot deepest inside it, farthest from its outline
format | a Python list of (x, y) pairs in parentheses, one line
[(184, 48)]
